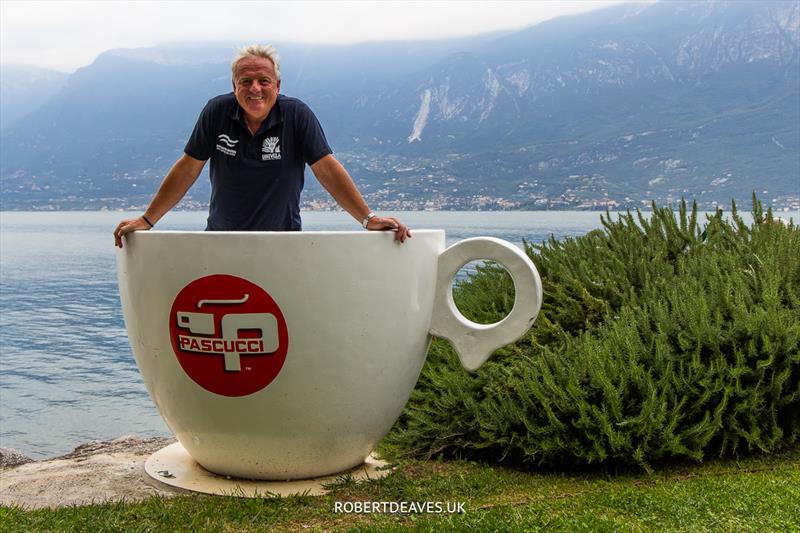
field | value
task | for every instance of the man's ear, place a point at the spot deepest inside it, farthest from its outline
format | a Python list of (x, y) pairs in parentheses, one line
[(279, 86)]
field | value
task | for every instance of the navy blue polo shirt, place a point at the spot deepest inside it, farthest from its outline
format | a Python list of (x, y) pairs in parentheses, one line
[(256, 180)]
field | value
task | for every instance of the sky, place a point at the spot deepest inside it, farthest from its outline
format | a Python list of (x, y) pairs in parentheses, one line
[(65, 35)]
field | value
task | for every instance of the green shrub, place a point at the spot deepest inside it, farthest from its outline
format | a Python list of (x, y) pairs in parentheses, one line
[(658, 339)]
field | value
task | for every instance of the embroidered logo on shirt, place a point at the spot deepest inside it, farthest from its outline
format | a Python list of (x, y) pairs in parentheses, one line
[(229, 147), (271, 149)]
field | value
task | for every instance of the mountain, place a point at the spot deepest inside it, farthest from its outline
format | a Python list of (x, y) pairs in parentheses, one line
[(632, 102), (610, 108), (24, 88)]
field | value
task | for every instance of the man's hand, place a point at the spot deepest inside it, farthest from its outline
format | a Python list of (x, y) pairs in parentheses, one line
[(332, 175), (127, 226), (402, 232), (177, 181)]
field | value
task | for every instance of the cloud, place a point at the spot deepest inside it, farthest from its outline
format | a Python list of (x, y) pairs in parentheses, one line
[(69, 34)]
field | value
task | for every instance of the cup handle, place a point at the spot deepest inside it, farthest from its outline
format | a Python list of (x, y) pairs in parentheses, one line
[(475, 342)]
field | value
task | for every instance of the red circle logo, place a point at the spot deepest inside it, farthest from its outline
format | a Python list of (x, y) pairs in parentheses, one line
[(228, 334)]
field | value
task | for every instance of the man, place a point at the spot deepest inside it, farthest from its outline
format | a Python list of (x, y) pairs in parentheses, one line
[(258, 142)]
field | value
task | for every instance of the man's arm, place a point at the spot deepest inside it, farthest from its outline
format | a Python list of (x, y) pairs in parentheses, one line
[(178, 180), (333, 176)]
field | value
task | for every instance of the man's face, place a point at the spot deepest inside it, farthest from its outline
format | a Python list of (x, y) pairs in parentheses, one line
[(256, 87)]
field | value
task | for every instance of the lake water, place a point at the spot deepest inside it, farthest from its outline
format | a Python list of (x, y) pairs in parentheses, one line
[(67, 374)]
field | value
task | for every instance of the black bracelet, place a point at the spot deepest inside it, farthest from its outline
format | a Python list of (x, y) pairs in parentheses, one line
[(148, 221)]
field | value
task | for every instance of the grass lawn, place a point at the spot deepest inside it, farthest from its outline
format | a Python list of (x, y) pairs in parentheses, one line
[(755, 493)]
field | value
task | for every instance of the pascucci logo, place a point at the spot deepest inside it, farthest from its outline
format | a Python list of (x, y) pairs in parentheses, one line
[(229, 345), (229, 334)]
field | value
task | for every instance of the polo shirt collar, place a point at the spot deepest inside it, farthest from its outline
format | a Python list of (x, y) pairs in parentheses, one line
[(274, 118)]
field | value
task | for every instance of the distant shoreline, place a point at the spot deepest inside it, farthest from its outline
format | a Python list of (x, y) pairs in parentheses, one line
[(620, 209)]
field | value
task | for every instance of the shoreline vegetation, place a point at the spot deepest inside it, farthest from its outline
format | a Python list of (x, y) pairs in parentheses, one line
[(659, 389), (661, 338)]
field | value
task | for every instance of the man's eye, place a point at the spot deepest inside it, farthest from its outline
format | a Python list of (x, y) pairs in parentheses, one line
[(265, 81)]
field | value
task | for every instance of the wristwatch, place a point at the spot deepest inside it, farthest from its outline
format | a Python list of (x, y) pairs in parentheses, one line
[(366, 220)]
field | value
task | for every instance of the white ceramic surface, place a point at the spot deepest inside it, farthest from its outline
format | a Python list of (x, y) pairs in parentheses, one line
[(290, 355)]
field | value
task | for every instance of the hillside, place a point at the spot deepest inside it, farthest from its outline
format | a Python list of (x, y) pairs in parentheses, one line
[(615, 108)]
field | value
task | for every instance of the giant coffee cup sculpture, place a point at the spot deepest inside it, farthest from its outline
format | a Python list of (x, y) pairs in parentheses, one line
[(290, 355)]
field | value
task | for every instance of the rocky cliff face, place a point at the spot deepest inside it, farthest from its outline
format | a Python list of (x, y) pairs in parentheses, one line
[(664, 47)]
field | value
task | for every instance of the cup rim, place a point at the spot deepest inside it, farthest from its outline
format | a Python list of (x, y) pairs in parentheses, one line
[(285, 233)]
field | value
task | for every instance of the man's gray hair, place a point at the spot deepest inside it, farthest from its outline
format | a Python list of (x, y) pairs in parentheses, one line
[(257, 50)]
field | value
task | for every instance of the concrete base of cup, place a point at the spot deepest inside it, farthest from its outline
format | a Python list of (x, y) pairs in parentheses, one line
[(173, 466)]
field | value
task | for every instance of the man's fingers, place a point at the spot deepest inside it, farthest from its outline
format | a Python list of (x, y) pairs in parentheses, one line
[(125, 227), (118, 235), (119, 232), (402, 232)]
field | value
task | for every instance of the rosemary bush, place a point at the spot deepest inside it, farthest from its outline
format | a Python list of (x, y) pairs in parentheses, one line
[(659, 338)]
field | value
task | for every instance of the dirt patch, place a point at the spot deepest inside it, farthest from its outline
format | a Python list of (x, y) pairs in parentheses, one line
[(99, 471)]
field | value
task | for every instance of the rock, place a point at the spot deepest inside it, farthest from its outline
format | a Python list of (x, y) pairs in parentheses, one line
[(125, 444), (95, 472), (12, 457)]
